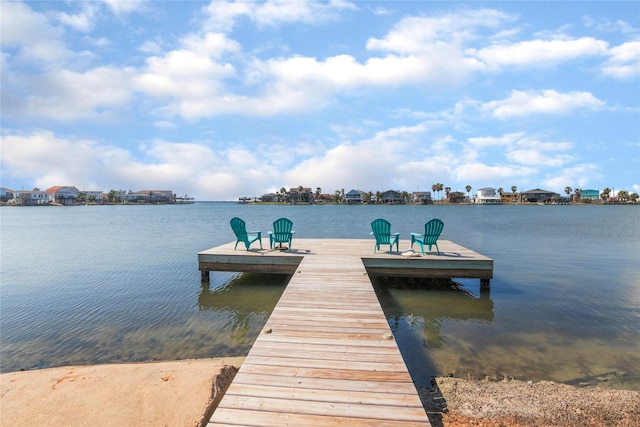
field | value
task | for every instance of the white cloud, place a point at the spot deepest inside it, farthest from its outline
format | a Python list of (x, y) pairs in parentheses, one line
[(499, 141), (531, 151), (523, 103), (83, 21), (66, 95), (120, 7), (222, 15), (624, 61), (580, 176), (539, 53), (415, 35), (35, 39), (481, 172)]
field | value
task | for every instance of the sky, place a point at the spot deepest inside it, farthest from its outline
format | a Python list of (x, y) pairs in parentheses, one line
[(226, 99)]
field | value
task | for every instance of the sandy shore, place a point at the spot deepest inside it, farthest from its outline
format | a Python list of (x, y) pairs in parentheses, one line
[(184, 393), (175, 393)]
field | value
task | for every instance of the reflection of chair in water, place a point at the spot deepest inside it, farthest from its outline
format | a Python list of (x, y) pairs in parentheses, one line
[(432, 230), (381, 230), (242, 235), (282, 233)]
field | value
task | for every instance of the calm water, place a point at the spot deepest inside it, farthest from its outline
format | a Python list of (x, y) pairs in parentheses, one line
[(103, 284)]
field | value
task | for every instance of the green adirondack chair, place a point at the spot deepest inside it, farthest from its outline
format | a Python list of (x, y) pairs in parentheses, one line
[(281, 233), (242, 235), (432, 230), (382, 232)]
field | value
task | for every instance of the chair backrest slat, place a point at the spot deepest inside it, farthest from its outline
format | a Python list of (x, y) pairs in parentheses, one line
[(239, 228), (381, 230), (432, 230), (282, 228)]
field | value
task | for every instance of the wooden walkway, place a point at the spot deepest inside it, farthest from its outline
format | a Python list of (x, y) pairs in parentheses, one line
[(326, 355)]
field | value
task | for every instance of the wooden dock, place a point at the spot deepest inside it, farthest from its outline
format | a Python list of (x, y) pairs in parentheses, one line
[(454, 260), (326, 355)]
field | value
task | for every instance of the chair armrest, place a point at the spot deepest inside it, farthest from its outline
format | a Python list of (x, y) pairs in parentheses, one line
[(395, 234), (416, 234), (293, 232)]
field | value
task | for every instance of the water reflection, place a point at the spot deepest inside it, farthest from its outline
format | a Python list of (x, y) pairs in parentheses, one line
[(247, 301), (415, 310)]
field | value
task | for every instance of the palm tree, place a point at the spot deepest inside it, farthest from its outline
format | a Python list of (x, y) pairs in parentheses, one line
[(405, 197), (337, 196), (300, 188), (468, 188), (513, 190), (378, 196), (283, 193), (318, 193), (568, 190), (447, 190), (440, 188), (578, 193), (434, 188), (623, 196)]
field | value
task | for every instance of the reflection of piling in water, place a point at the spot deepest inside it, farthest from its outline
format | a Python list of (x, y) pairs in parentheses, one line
[(425, 303), (247, 300)]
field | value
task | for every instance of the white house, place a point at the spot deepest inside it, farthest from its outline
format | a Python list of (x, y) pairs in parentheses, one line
[(64, 195), (31, 198), (487, 196)]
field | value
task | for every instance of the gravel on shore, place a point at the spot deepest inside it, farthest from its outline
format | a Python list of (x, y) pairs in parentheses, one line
[(512, 403)]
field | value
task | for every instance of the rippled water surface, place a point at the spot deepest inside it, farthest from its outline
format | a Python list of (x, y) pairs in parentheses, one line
[(102, 284)]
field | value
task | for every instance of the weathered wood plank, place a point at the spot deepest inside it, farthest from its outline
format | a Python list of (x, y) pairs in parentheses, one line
[(241, 417)]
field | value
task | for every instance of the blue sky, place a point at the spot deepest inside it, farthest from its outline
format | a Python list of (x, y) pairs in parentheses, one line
[(223, 99)]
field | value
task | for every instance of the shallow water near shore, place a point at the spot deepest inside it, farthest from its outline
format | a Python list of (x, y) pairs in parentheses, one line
[(105, 284)]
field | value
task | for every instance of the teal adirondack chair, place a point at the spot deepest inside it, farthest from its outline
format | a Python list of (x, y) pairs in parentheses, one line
[(281, 233), (382, 232), (432, 230), (242, 235)]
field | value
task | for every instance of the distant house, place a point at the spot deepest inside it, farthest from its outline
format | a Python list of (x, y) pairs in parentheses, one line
[(354, 196), (33, 197), (6, 194), (590, 195), (538, 196), (423, 197), (507, 197), (455, 197), (270, 198), (92, 196), (487, 196), (392, 196), (148, 196), (297, 195), (63, 195)]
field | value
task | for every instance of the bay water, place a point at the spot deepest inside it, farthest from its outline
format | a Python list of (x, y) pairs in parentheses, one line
[(112, 284)]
